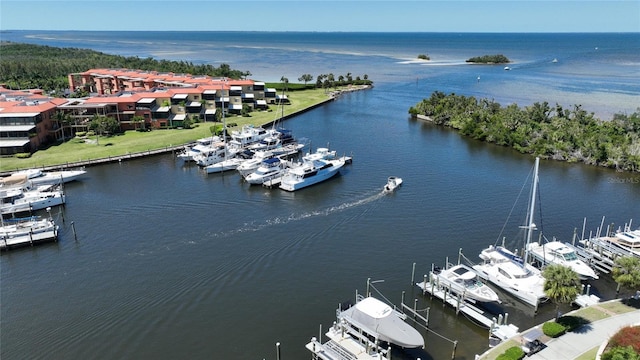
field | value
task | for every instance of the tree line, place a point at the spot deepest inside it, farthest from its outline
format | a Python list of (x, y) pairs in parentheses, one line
[(28, 66), (558, 133)]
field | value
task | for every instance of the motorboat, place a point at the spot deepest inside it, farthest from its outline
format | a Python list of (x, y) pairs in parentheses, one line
[(351, 340), (507, 68), (214, 154), (249, 135), (25, 231), (627, 241), (25, 199), (224, 165), (392, 183), (321, 153), (310, 172), (250, 165), (555, 252), (512, 274), (270, 169), (378, 320), (191, 151), (41, 177), (463, 280)]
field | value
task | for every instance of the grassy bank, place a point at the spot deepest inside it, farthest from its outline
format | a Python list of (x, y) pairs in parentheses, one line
[(132, 141)]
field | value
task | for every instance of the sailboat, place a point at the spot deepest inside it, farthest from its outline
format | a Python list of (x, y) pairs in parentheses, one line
[(510, 272)]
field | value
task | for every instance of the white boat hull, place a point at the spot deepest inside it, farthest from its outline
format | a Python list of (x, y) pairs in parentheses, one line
[(293, 180)]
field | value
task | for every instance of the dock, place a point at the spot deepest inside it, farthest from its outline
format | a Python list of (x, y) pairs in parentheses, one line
[(29, 239), (497, 327), (586, 299)]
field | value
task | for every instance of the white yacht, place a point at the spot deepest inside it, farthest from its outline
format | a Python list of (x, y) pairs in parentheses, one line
[(191, 151), (20, 199), (555, 252), (224, 165), (628, 241), (214, 154), (40, 177), (378, 320), (249, 135), (25, 231), (269, 169), (512, 274), (463, 281), (250, 165), (310, 172)]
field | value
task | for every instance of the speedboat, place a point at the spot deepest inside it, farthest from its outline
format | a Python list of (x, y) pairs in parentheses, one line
[(40, 177), (269, 169), (512, 274), (463, 281), (555, 252), (310, 172), (378, 320), (392, 183)]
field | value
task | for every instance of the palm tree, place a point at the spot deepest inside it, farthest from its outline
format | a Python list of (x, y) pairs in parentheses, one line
[(561, 285), (626, 272)]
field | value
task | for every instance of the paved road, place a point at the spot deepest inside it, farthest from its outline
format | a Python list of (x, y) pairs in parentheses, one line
[(571, 345)]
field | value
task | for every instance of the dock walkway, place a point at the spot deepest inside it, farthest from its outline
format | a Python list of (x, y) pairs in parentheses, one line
[(498, 328)]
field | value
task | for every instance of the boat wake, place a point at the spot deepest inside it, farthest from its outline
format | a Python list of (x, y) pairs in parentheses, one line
[(257, 226)]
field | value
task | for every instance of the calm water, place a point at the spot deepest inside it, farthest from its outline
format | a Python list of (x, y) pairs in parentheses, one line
[(171, 263)]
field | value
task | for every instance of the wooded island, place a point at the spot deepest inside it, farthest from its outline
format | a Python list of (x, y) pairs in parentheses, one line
[(567, 134)]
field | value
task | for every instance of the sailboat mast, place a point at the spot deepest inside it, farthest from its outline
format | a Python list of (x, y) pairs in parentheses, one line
[(532, 206)]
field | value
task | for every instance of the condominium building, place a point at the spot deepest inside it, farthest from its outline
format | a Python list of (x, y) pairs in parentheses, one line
[(136, 99)]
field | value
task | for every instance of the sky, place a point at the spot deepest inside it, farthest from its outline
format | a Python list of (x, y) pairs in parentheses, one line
[(301, 15)]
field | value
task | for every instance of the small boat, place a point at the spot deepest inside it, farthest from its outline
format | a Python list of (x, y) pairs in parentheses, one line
[(310, 172), (554, 61), (463, 281), (507, 68), (392, 183), (378, 320), (555, 252)]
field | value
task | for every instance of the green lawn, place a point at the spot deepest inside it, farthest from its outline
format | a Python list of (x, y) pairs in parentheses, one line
[(133, 141)]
